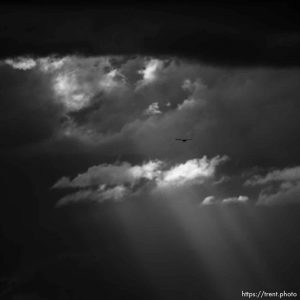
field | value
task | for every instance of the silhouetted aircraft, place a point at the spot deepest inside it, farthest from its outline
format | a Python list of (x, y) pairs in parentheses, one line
[(183, 140)]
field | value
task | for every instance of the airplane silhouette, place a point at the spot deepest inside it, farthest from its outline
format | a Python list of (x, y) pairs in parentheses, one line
[(183, 140)]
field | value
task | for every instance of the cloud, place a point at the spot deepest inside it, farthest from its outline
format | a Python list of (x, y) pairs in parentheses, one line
[(29, 111), (67, 87), (116, 193), (116, 181), (198, 34), (153, 109), (51, 63), (63, 182), (281, 186), (195, 86), (150, 72), (98, 93), (123, 173), (45, 64), (77, 80), (239, 199), (187, 104), (222, 180), (89, 106), (222, 110), (287, 193), (55, 87), (196, 90), (287, 174), (112, 80), (209, 200), (21, 63), (225, 115), (192, 171)]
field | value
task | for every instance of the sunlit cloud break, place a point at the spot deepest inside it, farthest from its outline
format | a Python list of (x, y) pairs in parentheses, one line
[(209, 200), (192, 171), (21, 63), (116, 181), (153, 109)]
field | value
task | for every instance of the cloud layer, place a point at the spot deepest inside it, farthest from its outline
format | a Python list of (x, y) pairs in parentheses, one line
[(248, 35), (134, 108), (209, 200), (279, 186), (115, 182), (96, 100)]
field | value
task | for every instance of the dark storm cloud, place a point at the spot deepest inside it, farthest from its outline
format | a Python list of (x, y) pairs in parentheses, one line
[(249, 114), (101, 111), (97, 103), (231, 34), (40, 97)]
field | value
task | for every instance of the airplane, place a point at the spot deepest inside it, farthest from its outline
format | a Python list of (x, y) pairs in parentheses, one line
[(183, 140)]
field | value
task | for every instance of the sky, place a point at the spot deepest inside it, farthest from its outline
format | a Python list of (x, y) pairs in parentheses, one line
[(101, 199)]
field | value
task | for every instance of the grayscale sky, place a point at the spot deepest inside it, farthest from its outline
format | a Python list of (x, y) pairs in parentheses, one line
[(100, 200)]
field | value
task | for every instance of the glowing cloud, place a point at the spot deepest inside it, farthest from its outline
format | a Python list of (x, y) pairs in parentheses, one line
[(150, 72), (153, 109), (213, 200), (116, 181), (66, 86), (77, 80), (151, 69), (209, 200), (112, 80), (112, 174), (192, 171), (239, 199), (50, 64), (21, 63)]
